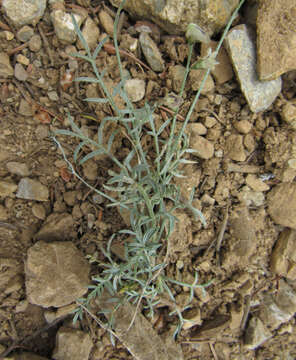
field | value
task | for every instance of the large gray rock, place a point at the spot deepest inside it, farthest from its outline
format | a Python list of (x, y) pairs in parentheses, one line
[(240, 43), (174, 15), (56, 274), (22, 12)]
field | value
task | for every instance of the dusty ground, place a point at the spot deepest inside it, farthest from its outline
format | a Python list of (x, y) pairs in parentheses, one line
[(242, 273)]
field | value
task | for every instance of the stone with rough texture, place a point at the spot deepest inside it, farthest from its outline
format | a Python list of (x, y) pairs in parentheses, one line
[(250, 197), (7, 188), (151, 52), (196, 78), (279, 307), (32, 190), (91, 33), (276, 38), (72, 344), (240, 45), (17, 168), (203, 147), (63, 25), (56, 274), (58, 226), (222, 72), (234, 148), (107, 22), (135, 89), (256, 334), (176, 73), (256, 183), (173, 16), (6, 69), (283, 257), (22, 12), (25, 33), (282, 204)]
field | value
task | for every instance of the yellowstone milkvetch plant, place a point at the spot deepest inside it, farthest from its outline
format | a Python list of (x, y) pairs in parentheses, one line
[(144, 187)]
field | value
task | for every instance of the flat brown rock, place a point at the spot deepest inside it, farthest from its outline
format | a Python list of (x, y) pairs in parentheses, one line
[(282, 204), (276, 38)]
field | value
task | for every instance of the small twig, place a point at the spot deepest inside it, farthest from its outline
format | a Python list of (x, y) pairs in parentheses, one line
[(46, 45), (213, 351), (111, 50), (17, 49), (221, 234), (242, 168), (179, 117)]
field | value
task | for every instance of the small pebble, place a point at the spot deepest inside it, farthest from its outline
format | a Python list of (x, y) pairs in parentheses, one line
[(135, 89), (243, 126), (107, 22), (17, 168), (35, 43), (8, 35), (22, 59), (7, 188), (53, 95), (151, 53), (25, 33), (6, 69), (39, 211), (20, 73)]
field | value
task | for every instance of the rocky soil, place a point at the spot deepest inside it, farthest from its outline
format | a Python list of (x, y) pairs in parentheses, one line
[(244, 132)]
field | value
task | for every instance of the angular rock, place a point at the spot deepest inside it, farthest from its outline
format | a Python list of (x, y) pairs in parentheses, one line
[(283, 257), (32, 190), (91, 33), (288, 113), (240, 45), (203, 147), (24, 12), (243, 239), (151, 52), (256, 334), (56, 274), (17, 168), (72, 344), (107, 22), (234, 148), (39, 211), (196, 78), (63, 25), (250, 197), (243, 126), (6, 69), (278, 308), (176, 73), (58, 226), (141, 340), (276, 44), (222, 72), (7, 188), (256, 183), (281, 203), (174, 15), (135, 89)]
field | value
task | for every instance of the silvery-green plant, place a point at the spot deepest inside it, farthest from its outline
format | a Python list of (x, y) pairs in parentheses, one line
[(144, 187)]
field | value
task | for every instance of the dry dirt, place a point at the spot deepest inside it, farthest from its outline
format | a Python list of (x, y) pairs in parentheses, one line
[(240, 271)]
